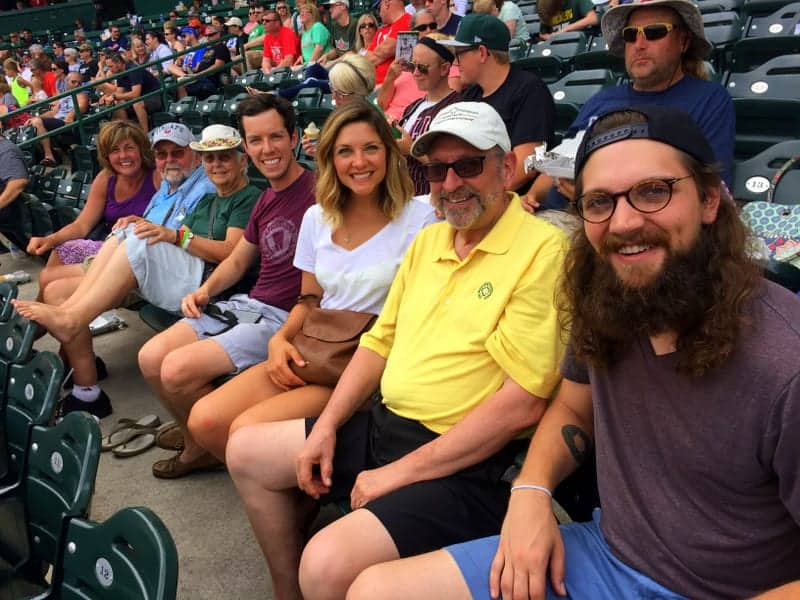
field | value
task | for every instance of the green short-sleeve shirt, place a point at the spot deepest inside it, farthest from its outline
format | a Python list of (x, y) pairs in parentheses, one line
[(230, 211), (572, 11), (318, 34), (254, 33)]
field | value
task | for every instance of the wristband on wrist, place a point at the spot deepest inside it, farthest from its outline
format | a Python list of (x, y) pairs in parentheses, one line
[(177, 241), (186, 236), (530, 486)]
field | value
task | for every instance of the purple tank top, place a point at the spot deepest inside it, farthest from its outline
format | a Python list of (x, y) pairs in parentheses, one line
[(134, 205)]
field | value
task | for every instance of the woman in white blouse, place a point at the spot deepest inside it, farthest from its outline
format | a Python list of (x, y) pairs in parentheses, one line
[(349, 248)]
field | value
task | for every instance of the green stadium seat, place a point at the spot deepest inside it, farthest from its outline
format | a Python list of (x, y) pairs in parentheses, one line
[(157, 318), (194, 120), (549, 68), (309, 97), (209, 105), (176, 109), (131, 555), (714, 6), (31, 397), (8, 291), (577, 87), (761, 123), (249, 78), (597, 56), (36, 220), (58, 482), (84, 159), (752, 177), (777, 78), (761, 7), (784, 21), (749, 53), (723, 29)]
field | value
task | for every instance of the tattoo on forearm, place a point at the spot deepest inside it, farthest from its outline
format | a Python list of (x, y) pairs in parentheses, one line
[(577, 441)]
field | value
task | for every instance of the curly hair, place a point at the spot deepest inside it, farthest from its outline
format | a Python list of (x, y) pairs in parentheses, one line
[(396, 188), (714, 283), (113, 133)]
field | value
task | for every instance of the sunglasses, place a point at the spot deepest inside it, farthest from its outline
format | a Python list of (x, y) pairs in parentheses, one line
[(464, 168), (412, 66), (432, 26), (281, 8), (367, 26), (654, 31), (269, 20)]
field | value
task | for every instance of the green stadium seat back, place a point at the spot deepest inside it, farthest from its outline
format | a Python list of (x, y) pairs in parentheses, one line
[(577, 87), (36, 216), (761, 123), (597, 56), (248, 78), (749, 53), (68, 189), (779, 77), (781, 22), (176, 109), (316, 115), (194, 120), (31, 397), (8, 291), (549, 68), (157, 318), (209, 105), (16, 339), (131, 555), (752, 177), (761, 7), (309, 97), (564, 45), (715, 6)]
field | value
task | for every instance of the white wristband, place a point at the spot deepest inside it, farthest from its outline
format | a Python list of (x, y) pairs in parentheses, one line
[(530, 486)]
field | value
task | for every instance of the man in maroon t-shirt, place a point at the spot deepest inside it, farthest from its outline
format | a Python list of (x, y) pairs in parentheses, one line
[(182, 362), (280, 43), (381, 51)]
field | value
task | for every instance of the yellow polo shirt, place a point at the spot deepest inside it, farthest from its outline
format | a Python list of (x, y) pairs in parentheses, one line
[(452, 330)]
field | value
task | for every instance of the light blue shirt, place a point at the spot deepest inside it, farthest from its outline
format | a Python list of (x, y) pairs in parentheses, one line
[(171, 209)]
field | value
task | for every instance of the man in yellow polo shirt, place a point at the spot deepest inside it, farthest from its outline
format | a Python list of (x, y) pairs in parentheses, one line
[(466, 352)]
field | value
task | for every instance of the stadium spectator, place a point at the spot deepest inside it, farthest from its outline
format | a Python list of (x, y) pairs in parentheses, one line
[(162, 263), (381, 51), (158, 50), (181, 363), (367, 28), (523, 101), (674, 377), (446, 21), (280, 43), (61, 112), (132, 83), (558, 16), (667, 70), (255, 39), (115, 41), (89, 66), (315, 40), (343, 31), (425, 464), (13, 180), (510, 14)]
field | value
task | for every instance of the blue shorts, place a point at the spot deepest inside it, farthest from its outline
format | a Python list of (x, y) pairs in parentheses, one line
[(592, 571), (245, 343)]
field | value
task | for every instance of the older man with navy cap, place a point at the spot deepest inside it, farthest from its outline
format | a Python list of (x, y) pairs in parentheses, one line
[(465, 351), (682, 371)]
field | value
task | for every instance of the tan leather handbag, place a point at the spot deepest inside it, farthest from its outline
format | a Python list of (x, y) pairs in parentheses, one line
[(327, 341)]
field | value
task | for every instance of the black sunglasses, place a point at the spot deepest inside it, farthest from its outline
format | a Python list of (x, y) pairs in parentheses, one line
[(269, 20), (654, 31), (432, 26), (465, 167), (412, 66), (367, 26)]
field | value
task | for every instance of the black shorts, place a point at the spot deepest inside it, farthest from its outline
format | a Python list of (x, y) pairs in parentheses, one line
[(151, 104), (426, 515), (50, 123)]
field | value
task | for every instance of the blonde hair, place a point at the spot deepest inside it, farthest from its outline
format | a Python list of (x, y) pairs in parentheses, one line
[(113, 133), (10, 63), (363, 19), (396, 188), (353, 74), (311, 8), (484, 6)]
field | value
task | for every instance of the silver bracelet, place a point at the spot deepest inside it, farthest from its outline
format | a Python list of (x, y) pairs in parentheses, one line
[(530, 486)]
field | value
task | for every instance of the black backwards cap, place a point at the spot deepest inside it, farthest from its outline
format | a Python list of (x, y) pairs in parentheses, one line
[(664, 124)]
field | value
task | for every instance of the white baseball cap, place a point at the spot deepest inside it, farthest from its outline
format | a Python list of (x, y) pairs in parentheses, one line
[(477, 123), (178, 133), (233, 21)]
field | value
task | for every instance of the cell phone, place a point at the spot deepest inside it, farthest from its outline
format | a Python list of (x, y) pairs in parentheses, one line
[(246, 316)]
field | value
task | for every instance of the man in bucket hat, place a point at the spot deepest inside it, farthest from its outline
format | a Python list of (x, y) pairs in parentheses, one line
[(664, 47), (682, 371), (466, 349)]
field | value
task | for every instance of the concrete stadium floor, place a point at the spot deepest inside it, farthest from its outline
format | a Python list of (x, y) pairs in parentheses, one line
[(219, 557)]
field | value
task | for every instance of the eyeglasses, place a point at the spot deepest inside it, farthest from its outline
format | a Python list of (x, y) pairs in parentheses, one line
[(210, 157), (269, 20), (458, 54), (367, 26), (281, 8), (654, 31), (335, 92), (471, 166), (432, 26), (412, 66), (648, 196)]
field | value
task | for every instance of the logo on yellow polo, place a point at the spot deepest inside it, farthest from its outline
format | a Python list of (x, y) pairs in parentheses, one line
[(485, 290)]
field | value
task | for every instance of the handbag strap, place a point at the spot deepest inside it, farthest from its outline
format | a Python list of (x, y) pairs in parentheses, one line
[(785, 168)]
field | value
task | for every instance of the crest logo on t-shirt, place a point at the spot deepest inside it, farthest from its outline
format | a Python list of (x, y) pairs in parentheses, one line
[(279, 239)]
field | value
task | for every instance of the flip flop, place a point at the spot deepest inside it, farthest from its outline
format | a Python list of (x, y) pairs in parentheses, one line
[(141, 443), (128, 429)]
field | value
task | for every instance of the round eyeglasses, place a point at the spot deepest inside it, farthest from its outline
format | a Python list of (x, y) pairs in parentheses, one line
[(648, 196)]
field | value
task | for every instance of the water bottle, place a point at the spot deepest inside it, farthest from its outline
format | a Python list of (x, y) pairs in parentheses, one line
[(16, 277)]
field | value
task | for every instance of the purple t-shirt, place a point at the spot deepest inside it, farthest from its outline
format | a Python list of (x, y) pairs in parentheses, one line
[(698, 476), (134, 205), (274, 226)]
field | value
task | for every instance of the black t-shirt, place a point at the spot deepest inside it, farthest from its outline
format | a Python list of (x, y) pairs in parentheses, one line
[(213, 53), (525, 105), (88, 70), (141, 77)]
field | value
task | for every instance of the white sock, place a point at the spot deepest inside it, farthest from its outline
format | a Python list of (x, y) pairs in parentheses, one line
[(86, 393)]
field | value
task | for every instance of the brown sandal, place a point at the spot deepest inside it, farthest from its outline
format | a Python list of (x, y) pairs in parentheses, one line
[(173, 468)]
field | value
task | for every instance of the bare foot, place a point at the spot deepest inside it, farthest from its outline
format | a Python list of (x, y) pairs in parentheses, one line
[(60, 323)]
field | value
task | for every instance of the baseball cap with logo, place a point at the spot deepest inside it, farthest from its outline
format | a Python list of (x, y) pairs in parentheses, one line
[(480, 29), (178, 133), (477, 123)]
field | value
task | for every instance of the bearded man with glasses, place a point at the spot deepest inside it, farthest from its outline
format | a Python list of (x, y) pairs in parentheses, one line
[(664, 46), (466, 352)]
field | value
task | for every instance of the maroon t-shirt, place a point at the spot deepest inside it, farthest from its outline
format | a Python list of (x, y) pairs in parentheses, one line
[(274, 225)]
